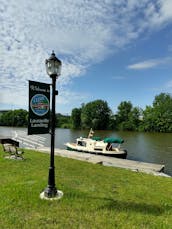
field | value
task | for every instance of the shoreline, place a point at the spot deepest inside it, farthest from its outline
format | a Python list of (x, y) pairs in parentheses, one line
[(135, 166)]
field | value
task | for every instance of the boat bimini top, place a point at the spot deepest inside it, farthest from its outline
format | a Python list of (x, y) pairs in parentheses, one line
[(114, 140)]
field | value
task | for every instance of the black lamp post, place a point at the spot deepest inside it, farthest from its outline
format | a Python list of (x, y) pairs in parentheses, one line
[(53, 68)]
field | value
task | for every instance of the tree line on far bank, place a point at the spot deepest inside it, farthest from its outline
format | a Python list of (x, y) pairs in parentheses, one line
[(98, 115)]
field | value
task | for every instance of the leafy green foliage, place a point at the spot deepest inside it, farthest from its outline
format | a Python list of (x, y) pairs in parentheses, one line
[(14, 118), (95, 115), (76, 118), (159, 117), (128, 117), (63, 121)]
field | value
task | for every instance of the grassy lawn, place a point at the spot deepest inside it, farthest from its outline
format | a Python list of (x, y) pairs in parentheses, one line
[(94, 196)]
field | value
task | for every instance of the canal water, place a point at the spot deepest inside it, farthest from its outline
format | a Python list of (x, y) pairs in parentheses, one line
[(146, 147)]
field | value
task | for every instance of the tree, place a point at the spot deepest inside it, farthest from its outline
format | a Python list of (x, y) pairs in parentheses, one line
[(14, 118), (95, 115), (135, 118), (128, 117), (63, 121), (148, 123), (122, 116), (163, 112), (124, 109), (159, 117), (112, 122), (76, 118)]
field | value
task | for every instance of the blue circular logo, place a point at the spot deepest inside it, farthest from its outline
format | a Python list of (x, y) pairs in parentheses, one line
[(39, 104)]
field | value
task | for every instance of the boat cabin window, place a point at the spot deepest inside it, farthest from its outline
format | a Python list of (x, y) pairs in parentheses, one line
[(81, 143), (98, 149)]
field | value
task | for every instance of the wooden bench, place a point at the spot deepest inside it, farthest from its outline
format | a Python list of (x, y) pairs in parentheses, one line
[(11, 147)]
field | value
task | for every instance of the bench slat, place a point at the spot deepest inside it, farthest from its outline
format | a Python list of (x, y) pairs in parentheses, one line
[(12, 150)]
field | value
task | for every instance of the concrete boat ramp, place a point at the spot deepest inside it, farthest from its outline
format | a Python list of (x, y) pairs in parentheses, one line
[(137, 166)]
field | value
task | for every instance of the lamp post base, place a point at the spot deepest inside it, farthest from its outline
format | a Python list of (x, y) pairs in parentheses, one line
[(55, 195)]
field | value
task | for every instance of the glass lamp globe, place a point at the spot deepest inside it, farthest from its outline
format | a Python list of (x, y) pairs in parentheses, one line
[(53, 65)]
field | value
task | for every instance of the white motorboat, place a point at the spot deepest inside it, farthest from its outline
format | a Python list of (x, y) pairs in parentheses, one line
[(94, 145)]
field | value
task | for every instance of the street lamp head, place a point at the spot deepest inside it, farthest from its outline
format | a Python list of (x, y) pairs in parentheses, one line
[(53, 66)]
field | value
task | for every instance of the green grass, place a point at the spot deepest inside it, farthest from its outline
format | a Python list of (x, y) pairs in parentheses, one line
[(94, 196)]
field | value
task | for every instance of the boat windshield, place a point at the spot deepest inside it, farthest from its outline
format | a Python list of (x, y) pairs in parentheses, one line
[(81, 143)]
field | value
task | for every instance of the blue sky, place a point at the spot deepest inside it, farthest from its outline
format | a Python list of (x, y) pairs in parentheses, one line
[(114, 50)]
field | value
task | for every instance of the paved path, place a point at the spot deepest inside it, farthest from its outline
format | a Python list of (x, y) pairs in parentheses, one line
[(156, 169)]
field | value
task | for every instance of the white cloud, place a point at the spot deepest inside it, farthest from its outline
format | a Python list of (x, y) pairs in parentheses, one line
[(80, 32), (147, 64), (68, 97), (144, 65), (160, 13)]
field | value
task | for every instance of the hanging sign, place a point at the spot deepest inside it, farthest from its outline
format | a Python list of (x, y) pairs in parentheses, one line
[(39, 108)]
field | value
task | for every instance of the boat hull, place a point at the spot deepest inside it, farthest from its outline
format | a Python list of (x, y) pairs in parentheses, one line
[(121, 154)]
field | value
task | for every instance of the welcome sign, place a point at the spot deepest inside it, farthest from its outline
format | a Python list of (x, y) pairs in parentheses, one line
[(39, 108)]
